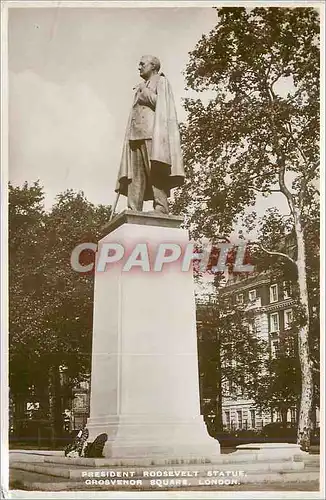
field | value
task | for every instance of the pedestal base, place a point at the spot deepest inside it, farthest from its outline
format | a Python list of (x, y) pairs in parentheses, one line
[(130, 437)]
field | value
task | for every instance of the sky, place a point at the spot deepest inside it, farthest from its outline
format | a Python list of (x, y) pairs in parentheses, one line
[(72, 72), (71, 78)]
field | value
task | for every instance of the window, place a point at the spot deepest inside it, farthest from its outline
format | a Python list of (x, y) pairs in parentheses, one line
[(240, 298), (239, 391), (229, 387), (252, 295), (275, 346), (227, 419), (273, 293), (239, 417), (288, 318), (274, 324), (287, 290), (253, 418)]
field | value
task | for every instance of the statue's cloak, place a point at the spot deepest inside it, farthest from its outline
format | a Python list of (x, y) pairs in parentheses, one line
[(166, 150)]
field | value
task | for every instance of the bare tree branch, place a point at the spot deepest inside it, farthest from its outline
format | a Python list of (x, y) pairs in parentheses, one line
[(283, 187), (294, 139), (280, 254), (264, 190)]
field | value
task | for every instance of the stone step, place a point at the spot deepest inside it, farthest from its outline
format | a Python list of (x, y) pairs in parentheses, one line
[(36, 452), (273, 481), (230, 458), (68, 471)]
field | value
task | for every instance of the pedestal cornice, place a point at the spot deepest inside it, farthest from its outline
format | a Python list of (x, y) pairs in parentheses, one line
[(142, 218)]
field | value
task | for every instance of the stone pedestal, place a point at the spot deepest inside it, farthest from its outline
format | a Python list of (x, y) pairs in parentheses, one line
[(144, 384), (272, 450)]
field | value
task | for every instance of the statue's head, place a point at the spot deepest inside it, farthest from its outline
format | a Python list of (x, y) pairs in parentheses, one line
[(148, 66)]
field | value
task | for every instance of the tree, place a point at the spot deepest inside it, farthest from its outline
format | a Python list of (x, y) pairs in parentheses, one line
[(279, 385), (26, 222), (258, 135), (276, 232), (68, 295), (51, 305), (229, 353)]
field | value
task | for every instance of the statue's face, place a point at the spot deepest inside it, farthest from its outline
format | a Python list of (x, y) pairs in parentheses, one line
[(145, 68)]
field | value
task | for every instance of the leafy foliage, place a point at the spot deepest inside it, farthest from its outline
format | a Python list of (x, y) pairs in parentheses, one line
[(231, 356), (280, 383), (259, 135), (50, 319), (262, 67)]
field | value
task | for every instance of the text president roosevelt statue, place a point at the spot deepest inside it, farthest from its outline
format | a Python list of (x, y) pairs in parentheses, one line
[(151, 161)]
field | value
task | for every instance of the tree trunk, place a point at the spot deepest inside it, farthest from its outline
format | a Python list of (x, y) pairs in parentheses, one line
[(219, 396), (297, 412), (19, 415), (43, 388), (314, 417), (304, 427), (55, 404)]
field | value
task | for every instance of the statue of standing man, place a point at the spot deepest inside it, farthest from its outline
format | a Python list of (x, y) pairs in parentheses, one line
[(151, 163)]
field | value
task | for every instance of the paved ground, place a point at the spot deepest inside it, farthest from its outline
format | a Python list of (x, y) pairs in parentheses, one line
[(18, 476)]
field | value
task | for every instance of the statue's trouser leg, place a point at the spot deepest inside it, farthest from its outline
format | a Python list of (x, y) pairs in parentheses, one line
[(160, 200), (140, 160), (136, 188), (160, 197)]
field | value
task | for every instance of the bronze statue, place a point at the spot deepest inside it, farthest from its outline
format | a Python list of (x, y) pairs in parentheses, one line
[(151, 163)]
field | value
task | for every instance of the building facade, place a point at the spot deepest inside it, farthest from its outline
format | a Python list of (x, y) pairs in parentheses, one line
[(270, 304)]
